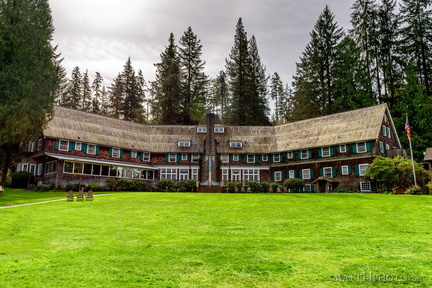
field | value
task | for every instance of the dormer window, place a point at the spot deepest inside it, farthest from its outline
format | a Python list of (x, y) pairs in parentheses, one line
[(236, 144), (219, 129), (184, 143), (202, 129)]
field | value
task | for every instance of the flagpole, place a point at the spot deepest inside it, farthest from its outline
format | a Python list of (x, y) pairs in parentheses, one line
[(409, 140)]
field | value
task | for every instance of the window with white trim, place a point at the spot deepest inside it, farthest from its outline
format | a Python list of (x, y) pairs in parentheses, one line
[(250, 158), (384, 130), (168, 173), (195, 158), (328, 172), (362, 169), (146, 156), (236, 157), (219, 129), (236, 144), (342, 148), (78, 146), (33, 146), (381, 146), (134, 154), (184, 157), (24, 167), (184, 174), (202, 129), (276, 158), (194, 174), (291, 174), (39, 169), (361, 147), (304, 154), (290, 155), (224, 158), (264, 157), (306, 174), (325, 152), (345, 170), (91, 149), (63, 145), (184, 143), (389, 134), (235, 175), (224, 177), (115, 152), (278, 176), (39, 145), (50, 167), (365, 187), (387, 147), (307, 188), (251, 174), (32, 169), (172, 158)]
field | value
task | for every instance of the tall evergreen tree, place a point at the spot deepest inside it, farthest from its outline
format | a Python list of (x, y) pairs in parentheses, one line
[(29, 75), (277, 94), (193, 80), (416, 38), (86, 100), (116, 97), (105, 102), (97, 93), (132, 107), (74, 94), (166, 87), (217, 102), (244, 73)]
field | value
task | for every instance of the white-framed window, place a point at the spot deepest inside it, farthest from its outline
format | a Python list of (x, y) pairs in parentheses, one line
[(168, 173), (184, 143), (184, 174), (24, 167), (381, 146), (224, 158), (307, 188), (328, 172), (134, 154), (33, 146), (91, 149), (195, 158), (115, 152), (39, 145), (306, 174), (342, 148), (362, 169), (304, 154), (387, 147), (384, 130), (32, 169), (146, 156), (225, 177), (365, 187), (236, 157), (290, 155), (236, 144), (202, 129), (291, 174), (250, 158), (389, 134), (184, 157), (251, 175), (78, 146), (276, 158), (278, 176), (219, 129), (264, 157), (235, 175), (50, 167), (63, 145), (325, 152), (172, 158), (361, 147), (194, 174), (39, 169), (345, 170)]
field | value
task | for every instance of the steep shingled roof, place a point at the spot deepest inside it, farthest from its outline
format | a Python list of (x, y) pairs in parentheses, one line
[(347, 127)]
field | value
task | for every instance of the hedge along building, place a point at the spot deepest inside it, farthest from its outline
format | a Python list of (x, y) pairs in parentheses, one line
[(326, 152)]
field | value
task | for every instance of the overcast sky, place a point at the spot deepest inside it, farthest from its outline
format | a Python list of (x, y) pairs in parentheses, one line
[(99, 35)]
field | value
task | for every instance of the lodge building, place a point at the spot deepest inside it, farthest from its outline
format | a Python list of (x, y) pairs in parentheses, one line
[(328, 152)]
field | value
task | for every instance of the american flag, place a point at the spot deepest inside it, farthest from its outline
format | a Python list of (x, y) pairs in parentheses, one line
[(407, 128)]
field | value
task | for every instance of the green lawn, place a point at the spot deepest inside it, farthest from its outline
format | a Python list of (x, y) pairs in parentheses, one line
[(219, 240)]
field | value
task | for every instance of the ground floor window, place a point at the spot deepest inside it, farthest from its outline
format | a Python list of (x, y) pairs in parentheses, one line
[(365, 187), (224, 177), (168, 173), (236, 175), (251, 175), (50, 167), (308, 188), (184, 174), (195, 174)]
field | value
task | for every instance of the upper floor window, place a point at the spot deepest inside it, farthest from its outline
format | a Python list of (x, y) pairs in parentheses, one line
[(236, 144), (236, 157), (172, 157), (250, 158), (290, 155), (306, 173), (361, 147), (342, 148), (78, 146), (184, 157), (91, 149), (134, 154), (362, 169), (276, 158), (146, 156), (64, 145), (224, 158), (195, 158), (304, 154), (115, 153), (384, 130), (184, 143), (345, 170), (39, 146), (219, 129), (325, 151), (264, 157), (202, 129), (291, 174), (278, 176)]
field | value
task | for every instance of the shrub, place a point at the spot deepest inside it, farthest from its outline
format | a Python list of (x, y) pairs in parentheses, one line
[(254, 186), (345, 190), (126, 185), (111, 184), (294, 184), (274, 186), (141, 185), (414, 190), (44, 187), (192, 184), (71, 186), (22, 179), (265, 187), (182, 186), (94, 187), (231, 187), (165, 183), (31, 187)]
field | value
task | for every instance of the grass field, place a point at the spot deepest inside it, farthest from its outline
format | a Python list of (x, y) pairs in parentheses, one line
[(219, 240)]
